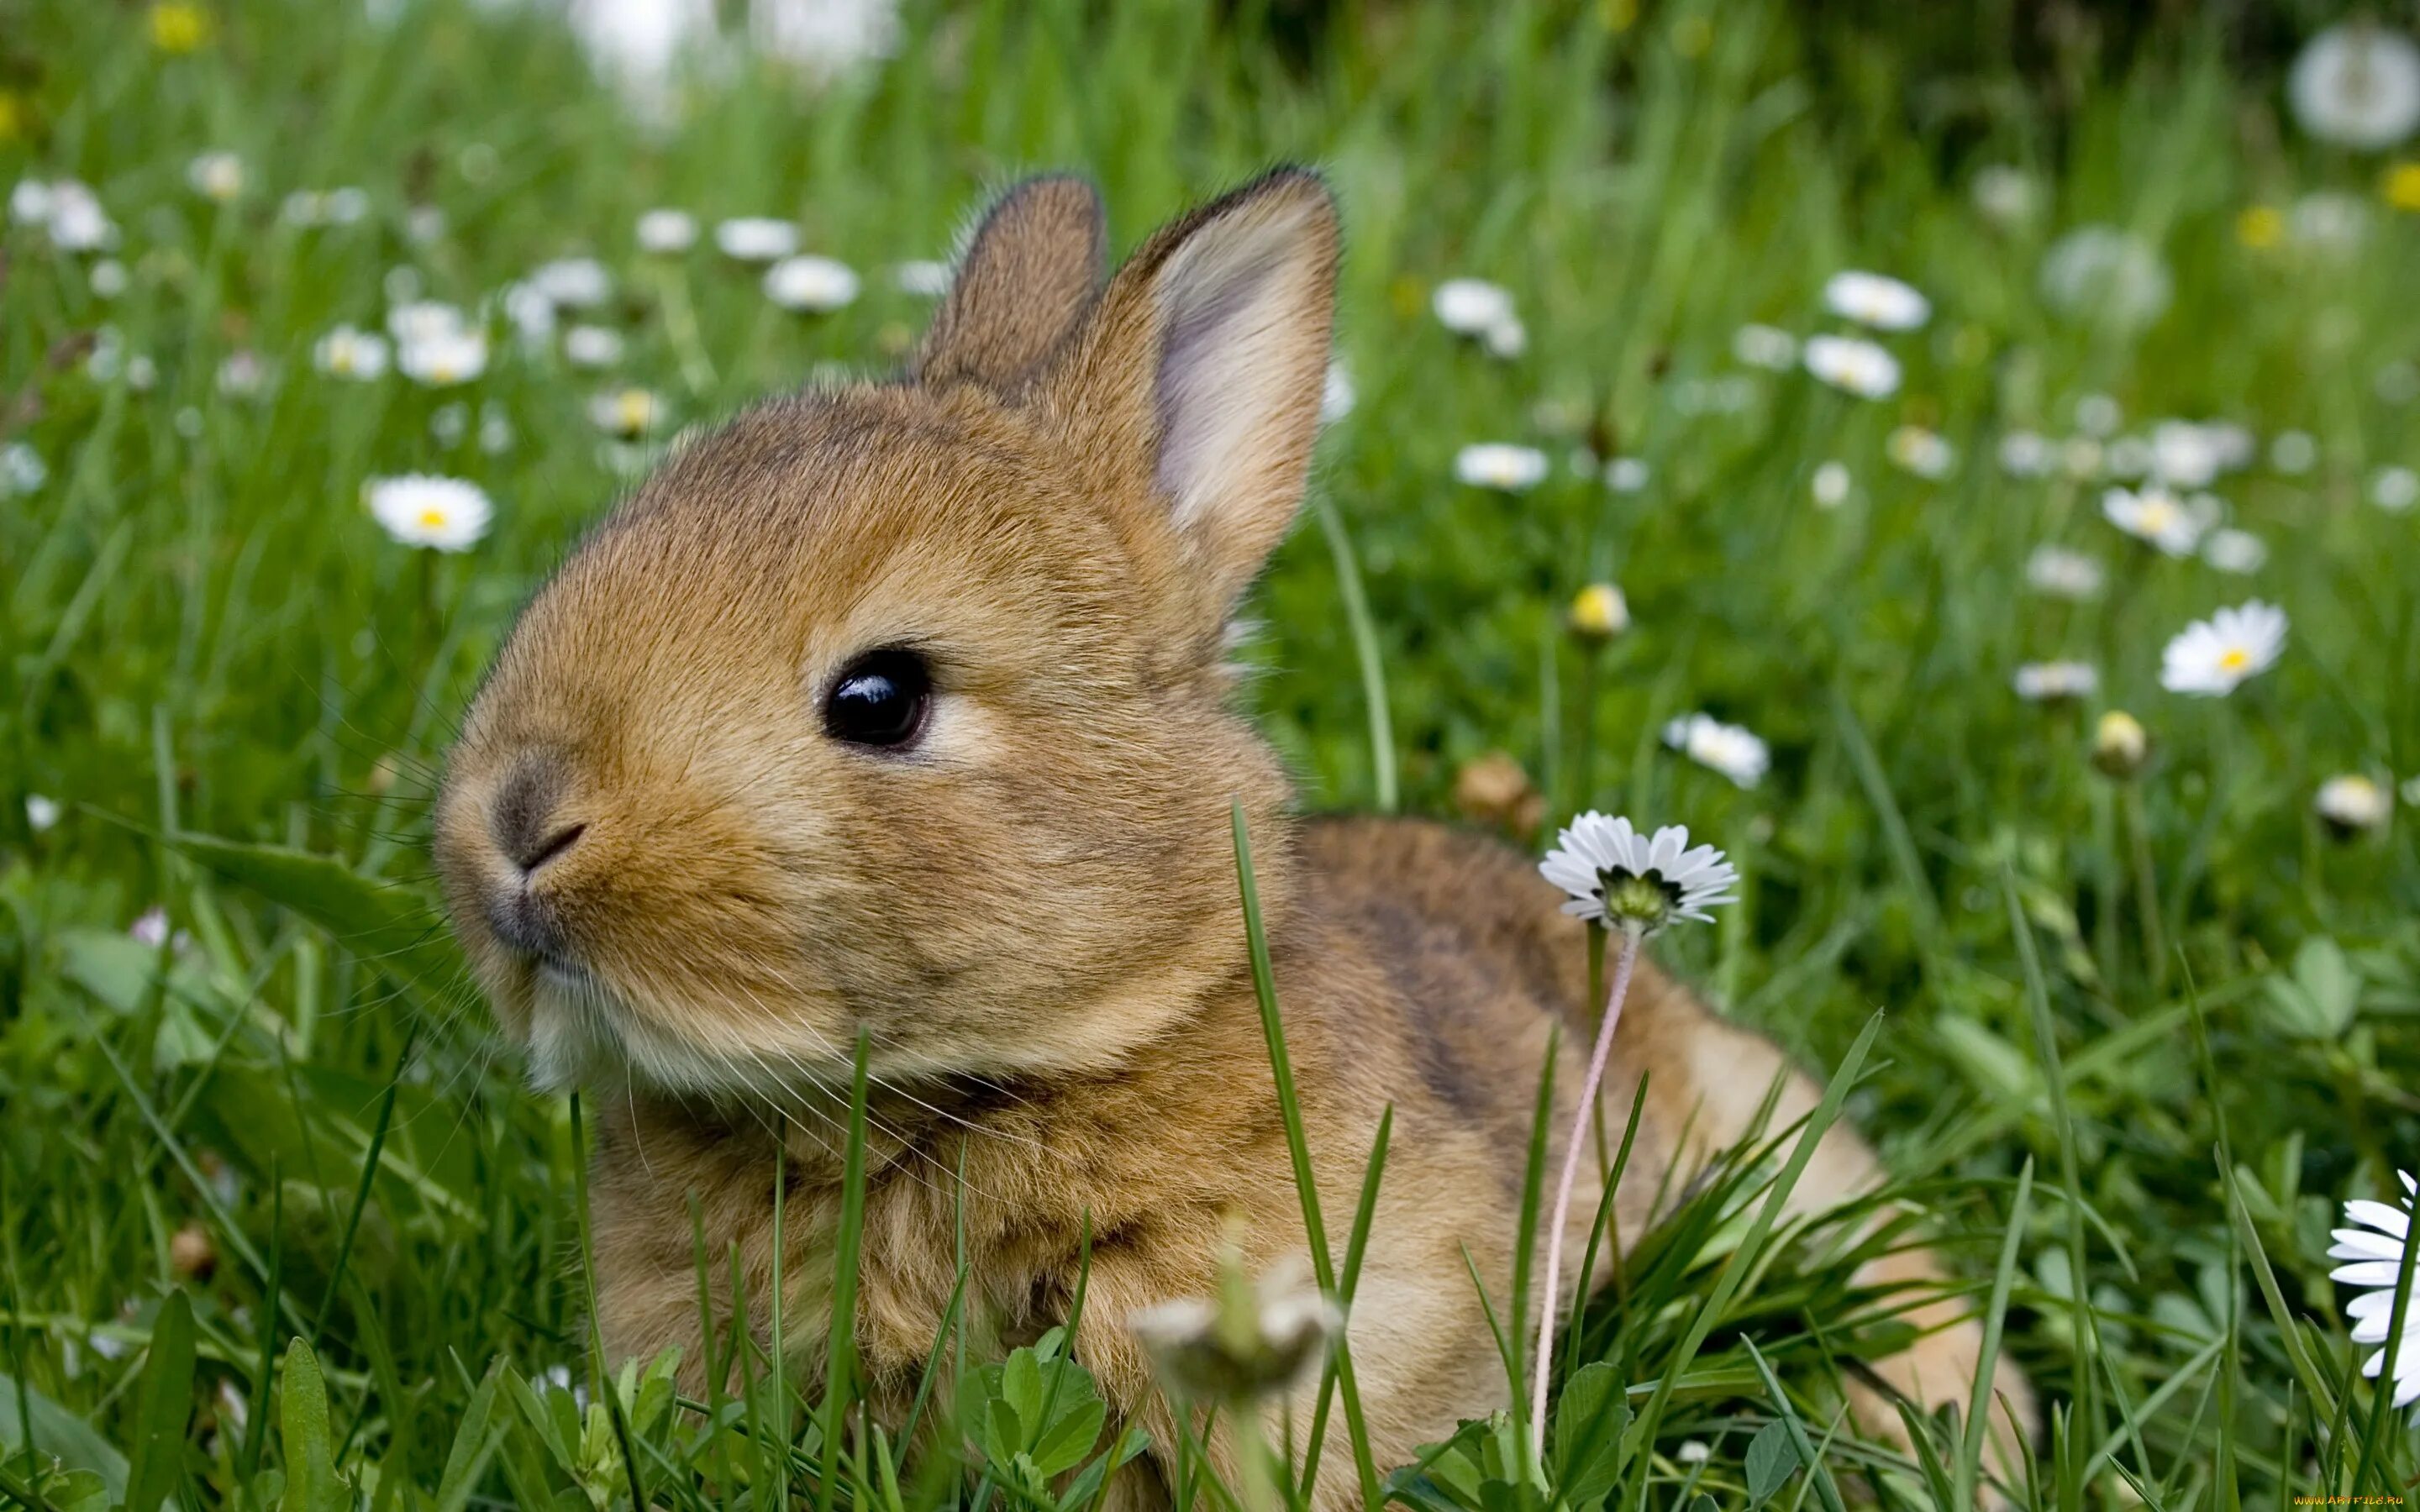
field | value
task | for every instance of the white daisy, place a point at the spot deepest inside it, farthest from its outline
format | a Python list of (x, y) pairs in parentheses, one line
[(1255, 1340), (242, 374), (2156, 516), (2184, 454), (626, 412), (2330, 222), (530, 312), (756, 238), (21, 469), (41, 813), (443, 513), (2099, 415), (2100, 274), (665, 232), (29, 202), (151, 927), (2026, 454), (1728, 749), (443, 358), (1875, 300), (2395, 490), (824, 38), (922, 278), (216, 175), (76, 219), (1853, 364), (1831, 484), (2055, 682), (1472, 306), (2004, 194), (1922, 452), (346, 352), (2234, 550), (811, 285), (2351, 803), (2211, 658), (413, 320), (1627, 474), (1618, 876), (2358, 85), (1768, 346), (2372, 1250), (573, 282), (1501, 465), (592, 346), (1600, 612)]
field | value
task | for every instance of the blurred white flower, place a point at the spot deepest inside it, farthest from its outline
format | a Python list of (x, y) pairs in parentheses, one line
[(442, 513), (108, 278), (638, 45), (592, 346), (2213, 656), (1875, 299), (2004, 194), (1336, 394), (2099, 415), (1501, 465), (2058, 573), (1470, 306), (2053, 682), (2128, 456), (423, 225), (73, 216), (450, 422), (21, 469), (1924, 453), (2358, 85), (626, 412), (1728, 748), (2100, 274), (242, 374), (2184, 454), (1506, 339), (1853, 364), (811, 285), (151, 928), (2026, 454), (573, 282), (2293, 453), (1626, 474), (29, 202), (530, 312), (2234, 550), (41, 813), (346, 352), (2395, 490), (495, 429), (216, 175), (1599, 612), (2330, 221), (1766, 347), (1248, 1343), (439, 359), (1694, 1451), (922, 278), (2351, 802), (416, 319), (2153, 515), (665, 232), (2080, 458), (1831, 484), (756, 238), (824, 39)]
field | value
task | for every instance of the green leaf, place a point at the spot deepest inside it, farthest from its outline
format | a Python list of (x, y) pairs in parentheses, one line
[(474, 1445), (163, 1406), (1589, 1418), (390, 926), (311, 1481), (59, 1434), (1771, 1461), (2319, 999)]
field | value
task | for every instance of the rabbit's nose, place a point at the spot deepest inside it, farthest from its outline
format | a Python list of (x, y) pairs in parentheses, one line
[(525, 817)]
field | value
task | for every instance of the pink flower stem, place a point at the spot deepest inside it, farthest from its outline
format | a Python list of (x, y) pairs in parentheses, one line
[(1544, 1363)]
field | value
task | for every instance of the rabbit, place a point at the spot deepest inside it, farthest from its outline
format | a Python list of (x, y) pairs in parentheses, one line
[(898, 710)]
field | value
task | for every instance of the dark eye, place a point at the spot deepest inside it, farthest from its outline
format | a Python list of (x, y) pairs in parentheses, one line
[(879, 698)]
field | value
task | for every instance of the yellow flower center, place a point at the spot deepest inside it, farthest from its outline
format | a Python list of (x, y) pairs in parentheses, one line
[(2402, 187), (2234, 659), (432, 518), (2260, 227), (179, 26)]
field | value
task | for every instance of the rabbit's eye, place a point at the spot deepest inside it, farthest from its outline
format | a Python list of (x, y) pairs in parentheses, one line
[(879, 698)]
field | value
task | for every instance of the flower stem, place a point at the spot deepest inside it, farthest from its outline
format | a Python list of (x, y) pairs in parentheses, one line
[(1544, 1363), (2147, 889)]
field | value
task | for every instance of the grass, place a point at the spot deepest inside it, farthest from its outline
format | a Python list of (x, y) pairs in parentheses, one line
[(278, 1221)]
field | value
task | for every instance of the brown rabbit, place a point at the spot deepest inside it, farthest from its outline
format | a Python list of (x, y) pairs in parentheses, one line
[(898, 710)]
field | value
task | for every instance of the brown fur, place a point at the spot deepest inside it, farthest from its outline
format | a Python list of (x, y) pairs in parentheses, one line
[(1033, 914)]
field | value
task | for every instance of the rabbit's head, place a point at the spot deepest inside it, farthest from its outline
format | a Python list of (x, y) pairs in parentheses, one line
[(899, 708)]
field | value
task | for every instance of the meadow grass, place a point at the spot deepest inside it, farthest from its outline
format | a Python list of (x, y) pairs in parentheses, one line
[(277, 1219)]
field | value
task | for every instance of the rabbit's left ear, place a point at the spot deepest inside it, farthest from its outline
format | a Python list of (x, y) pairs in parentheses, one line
[(1032, 267), (1203, 365)]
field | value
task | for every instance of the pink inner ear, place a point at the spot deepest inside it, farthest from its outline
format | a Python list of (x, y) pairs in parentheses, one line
[(1245, 320)]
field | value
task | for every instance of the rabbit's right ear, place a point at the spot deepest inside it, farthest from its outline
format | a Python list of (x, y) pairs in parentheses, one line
[(1032, 267)]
